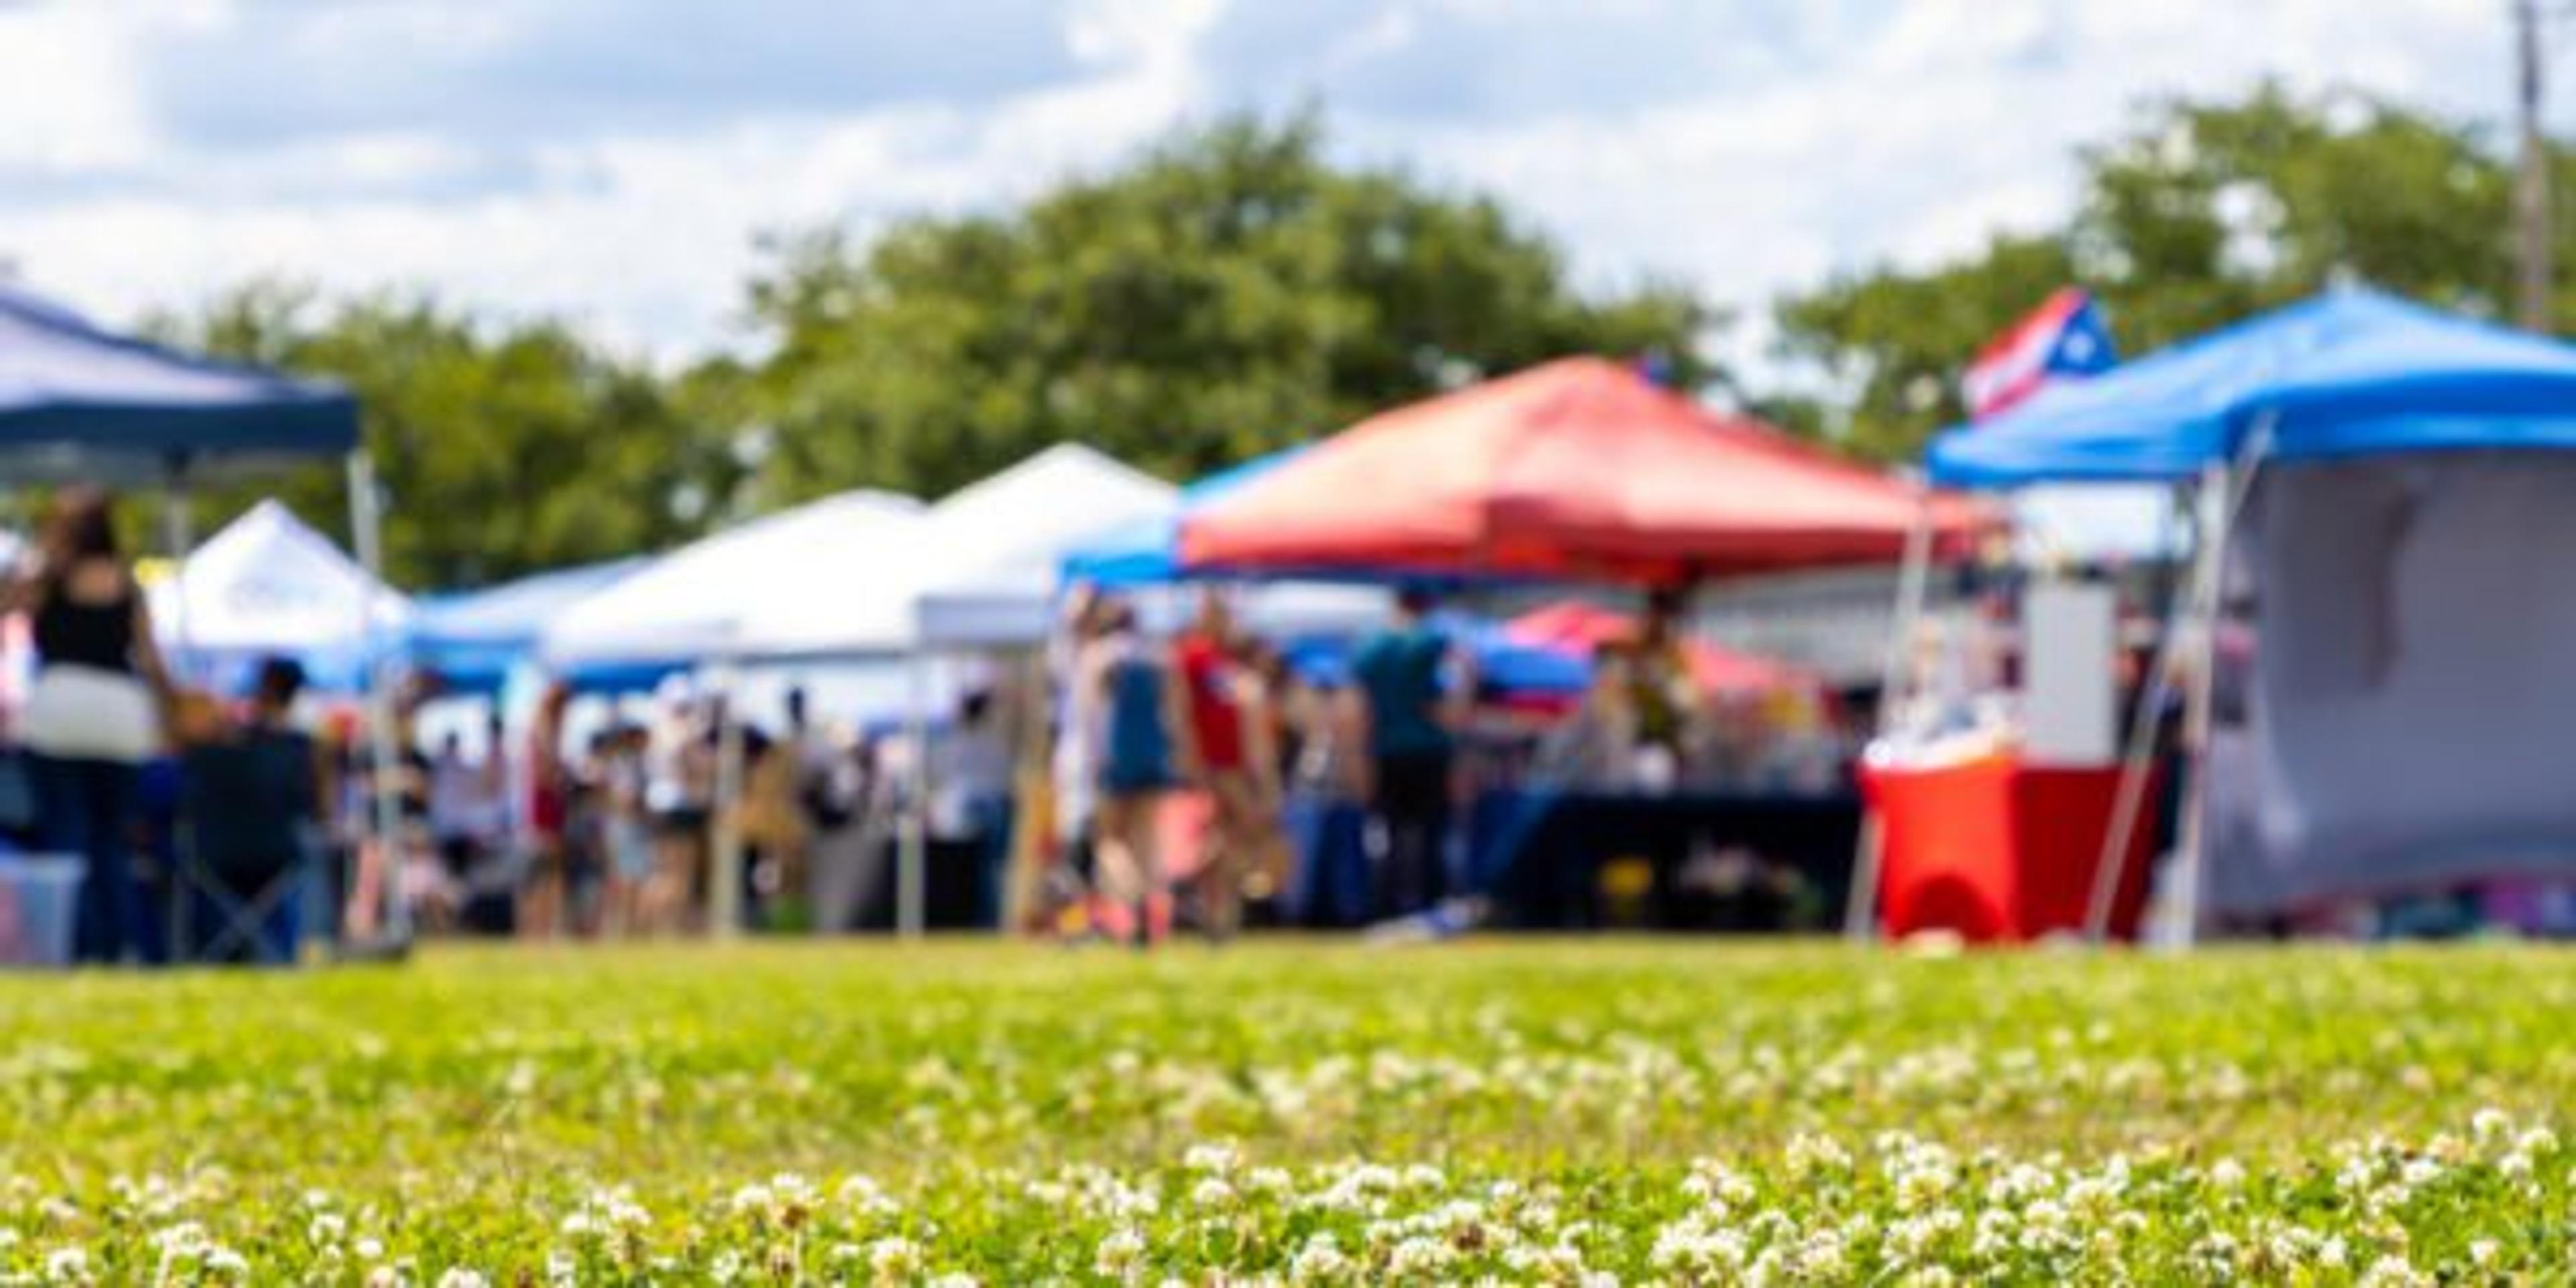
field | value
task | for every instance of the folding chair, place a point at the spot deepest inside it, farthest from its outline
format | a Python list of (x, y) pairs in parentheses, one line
[(245, 853)]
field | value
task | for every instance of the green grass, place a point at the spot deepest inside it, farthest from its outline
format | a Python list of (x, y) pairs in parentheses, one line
[(1680, 1111)]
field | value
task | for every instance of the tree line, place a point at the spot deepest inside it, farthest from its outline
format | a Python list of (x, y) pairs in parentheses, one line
[(1232, 291)]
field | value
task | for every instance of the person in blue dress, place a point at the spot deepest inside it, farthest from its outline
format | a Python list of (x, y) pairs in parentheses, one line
[(1140, 754)]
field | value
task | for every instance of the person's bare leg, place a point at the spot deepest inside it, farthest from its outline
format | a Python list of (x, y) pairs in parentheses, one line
[(1230, 851), (1144, 850)]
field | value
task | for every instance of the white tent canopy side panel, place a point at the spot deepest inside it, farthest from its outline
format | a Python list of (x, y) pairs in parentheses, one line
[(700, 601), (269, 583), (2407, 721), (985, 566)]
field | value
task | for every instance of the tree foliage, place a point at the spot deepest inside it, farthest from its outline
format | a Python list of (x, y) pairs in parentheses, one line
[(1235, 290), (1229, 293), (502, 448), (2195, 217)]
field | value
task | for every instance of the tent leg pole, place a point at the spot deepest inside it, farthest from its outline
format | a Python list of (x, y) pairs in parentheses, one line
[(2111, 869), (2220, 490), (366, 529), (912, 859), (724, 826), (1913, 586), (178, 533)]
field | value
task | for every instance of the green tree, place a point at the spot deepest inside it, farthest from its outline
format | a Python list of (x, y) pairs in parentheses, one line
[(2198, 215), (1228, 293), (503, 448)]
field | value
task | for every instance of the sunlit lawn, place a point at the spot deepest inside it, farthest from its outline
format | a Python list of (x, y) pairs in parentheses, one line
[(1531, 1111)]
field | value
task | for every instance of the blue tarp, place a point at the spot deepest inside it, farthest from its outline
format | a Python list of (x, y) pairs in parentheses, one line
[(2349, 372), (1503, 664), (76, 400), (1148, 553), (472, 639)]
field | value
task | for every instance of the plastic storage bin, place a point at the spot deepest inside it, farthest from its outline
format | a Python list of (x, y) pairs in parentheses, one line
[(39, 905)]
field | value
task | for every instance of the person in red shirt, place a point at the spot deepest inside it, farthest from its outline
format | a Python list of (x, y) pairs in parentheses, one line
[(1217, 749)]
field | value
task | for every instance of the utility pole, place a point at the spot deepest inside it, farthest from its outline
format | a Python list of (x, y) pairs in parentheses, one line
[(2531, 190)]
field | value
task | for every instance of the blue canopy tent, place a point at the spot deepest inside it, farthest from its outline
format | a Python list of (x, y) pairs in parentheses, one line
[(473, 639), (2373, 479), (2350, 372), (1148, 552), (79, 402)]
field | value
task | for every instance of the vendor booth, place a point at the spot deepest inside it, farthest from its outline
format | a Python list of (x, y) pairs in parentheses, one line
[(80, 403), (2373, 663), (1582, 470), (268, 586)]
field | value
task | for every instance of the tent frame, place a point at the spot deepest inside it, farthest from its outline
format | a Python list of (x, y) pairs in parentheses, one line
[(2219, 497)]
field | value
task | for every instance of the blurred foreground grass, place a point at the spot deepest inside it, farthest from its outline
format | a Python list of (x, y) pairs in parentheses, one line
[(468, 1108)]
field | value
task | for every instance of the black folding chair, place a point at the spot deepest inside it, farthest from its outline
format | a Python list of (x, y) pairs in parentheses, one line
[(245, 849)]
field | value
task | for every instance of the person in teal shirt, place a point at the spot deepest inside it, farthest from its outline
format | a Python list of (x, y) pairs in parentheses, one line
[(1409, 685)]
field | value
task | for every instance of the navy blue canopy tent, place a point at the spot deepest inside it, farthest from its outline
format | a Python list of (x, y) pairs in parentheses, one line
[(80, 402), (2384, 492)]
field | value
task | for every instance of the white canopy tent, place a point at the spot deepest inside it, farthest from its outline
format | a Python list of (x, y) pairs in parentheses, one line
[(987, 574), (706, 600), (269, 585), (980, 568), (988, 567)]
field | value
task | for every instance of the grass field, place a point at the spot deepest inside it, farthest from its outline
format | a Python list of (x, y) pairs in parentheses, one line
[(1547, 1112)]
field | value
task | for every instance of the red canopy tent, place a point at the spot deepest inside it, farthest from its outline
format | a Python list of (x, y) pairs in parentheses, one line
[(1579, 469)]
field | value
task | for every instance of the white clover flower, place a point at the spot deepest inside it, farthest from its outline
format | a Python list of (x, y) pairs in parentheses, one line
[(955, 1279), (1119, 1253), (1417, 1257), (2420, 1172), (1219, 1159), (1270, 1180), (1320, 1261), (2227, 1174), (1212, 1193), (460, 1277), (862, 1195), (2392, 1271), (894, 1258), (370, 1250), (67, 1265), (2490, 1125)]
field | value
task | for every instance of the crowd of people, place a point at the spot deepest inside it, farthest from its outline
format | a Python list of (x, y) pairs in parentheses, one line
[(1127, 784)]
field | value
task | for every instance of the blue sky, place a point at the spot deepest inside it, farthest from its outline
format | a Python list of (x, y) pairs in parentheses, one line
[(612, 161)]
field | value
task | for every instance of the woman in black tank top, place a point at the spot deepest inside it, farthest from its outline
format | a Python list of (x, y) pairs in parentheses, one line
[(94, 715)]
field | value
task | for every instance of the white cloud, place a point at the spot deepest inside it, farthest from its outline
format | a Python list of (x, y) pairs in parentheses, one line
[(69, 92), (154, 153)]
